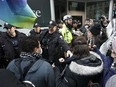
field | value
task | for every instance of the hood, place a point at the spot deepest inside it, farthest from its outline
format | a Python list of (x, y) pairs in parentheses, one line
[(90, 65)]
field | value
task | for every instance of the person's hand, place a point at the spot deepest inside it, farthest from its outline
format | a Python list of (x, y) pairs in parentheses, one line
[(61, 60), (53, 65), (92, 47), (69, 53)]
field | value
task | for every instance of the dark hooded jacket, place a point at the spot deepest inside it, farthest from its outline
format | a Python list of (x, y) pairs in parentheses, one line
[(81, 71)]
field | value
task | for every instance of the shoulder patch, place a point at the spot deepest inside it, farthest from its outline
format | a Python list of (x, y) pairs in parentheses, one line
[(61, 37)]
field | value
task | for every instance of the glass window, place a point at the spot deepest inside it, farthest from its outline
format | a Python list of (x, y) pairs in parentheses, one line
[(96, 9), (76, 6)]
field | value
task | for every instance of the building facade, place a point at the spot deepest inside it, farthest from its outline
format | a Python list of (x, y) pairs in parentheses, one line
[(82, 9)]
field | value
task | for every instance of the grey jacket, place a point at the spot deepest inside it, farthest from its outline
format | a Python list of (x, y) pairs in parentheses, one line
[(40, 75)]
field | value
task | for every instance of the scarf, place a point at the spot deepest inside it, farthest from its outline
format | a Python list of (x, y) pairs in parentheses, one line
[(28, 54)]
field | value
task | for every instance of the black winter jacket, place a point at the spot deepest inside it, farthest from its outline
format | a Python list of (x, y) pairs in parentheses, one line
[(8, 51), (79, 72), (50, 44), (36, 34)]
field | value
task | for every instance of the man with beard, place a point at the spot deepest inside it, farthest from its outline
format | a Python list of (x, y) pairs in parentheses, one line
[(66, 31)]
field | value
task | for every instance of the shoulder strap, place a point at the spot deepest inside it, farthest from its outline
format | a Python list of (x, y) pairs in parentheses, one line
[(63, 72), (62, 80), (18, 64), (26, 69)]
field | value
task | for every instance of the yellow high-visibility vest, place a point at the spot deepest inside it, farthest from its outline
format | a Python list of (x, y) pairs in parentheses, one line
[(67, 35)]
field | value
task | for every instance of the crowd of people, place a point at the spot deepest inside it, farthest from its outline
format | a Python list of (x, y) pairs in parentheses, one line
[(64, 55)]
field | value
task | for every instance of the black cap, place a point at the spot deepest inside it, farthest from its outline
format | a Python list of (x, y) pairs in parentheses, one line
[(36, 25), (60, 21), (75, 21), (52, 23), (8, 26), (95, 30), (0, 25)]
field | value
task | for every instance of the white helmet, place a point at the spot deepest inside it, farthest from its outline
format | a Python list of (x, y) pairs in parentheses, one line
[(67, 17)]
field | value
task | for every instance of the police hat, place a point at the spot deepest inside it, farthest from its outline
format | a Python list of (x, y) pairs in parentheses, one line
[(7, 26), (52, 23), (36, 25)]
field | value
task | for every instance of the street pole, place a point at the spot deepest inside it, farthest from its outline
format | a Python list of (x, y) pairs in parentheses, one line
[(110, 9), (52, 10)]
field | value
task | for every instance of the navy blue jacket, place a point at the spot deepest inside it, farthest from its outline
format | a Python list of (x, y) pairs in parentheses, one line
[(107, 70)]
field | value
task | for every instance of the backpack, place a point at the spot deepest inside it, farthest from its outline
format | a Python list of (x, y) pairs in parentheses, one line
[(26, 69)]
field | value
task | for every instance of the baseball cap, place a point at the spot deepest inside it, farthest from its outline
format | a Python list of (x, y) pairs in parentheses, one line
[(7, 26), (36, 25), (52, 23)]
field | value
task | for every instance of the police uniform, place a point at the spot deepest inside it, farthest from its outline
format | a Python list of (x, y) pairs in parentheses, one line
[(50, 45), (9, 46)]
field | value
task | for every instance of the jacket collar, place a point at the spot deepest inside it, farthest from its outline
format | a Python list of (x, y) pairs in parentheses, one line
[(83, 69)]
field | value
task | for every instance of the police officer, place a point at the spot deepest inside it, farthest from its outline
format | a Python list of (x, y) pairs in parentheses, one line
[(10, 44), (52, 42), (36, 31), (66, 31)]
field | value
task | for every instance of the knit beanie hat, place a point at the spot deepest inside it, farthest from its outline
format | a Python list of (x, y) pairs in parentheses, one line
[(95, 30), (114, 45)]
